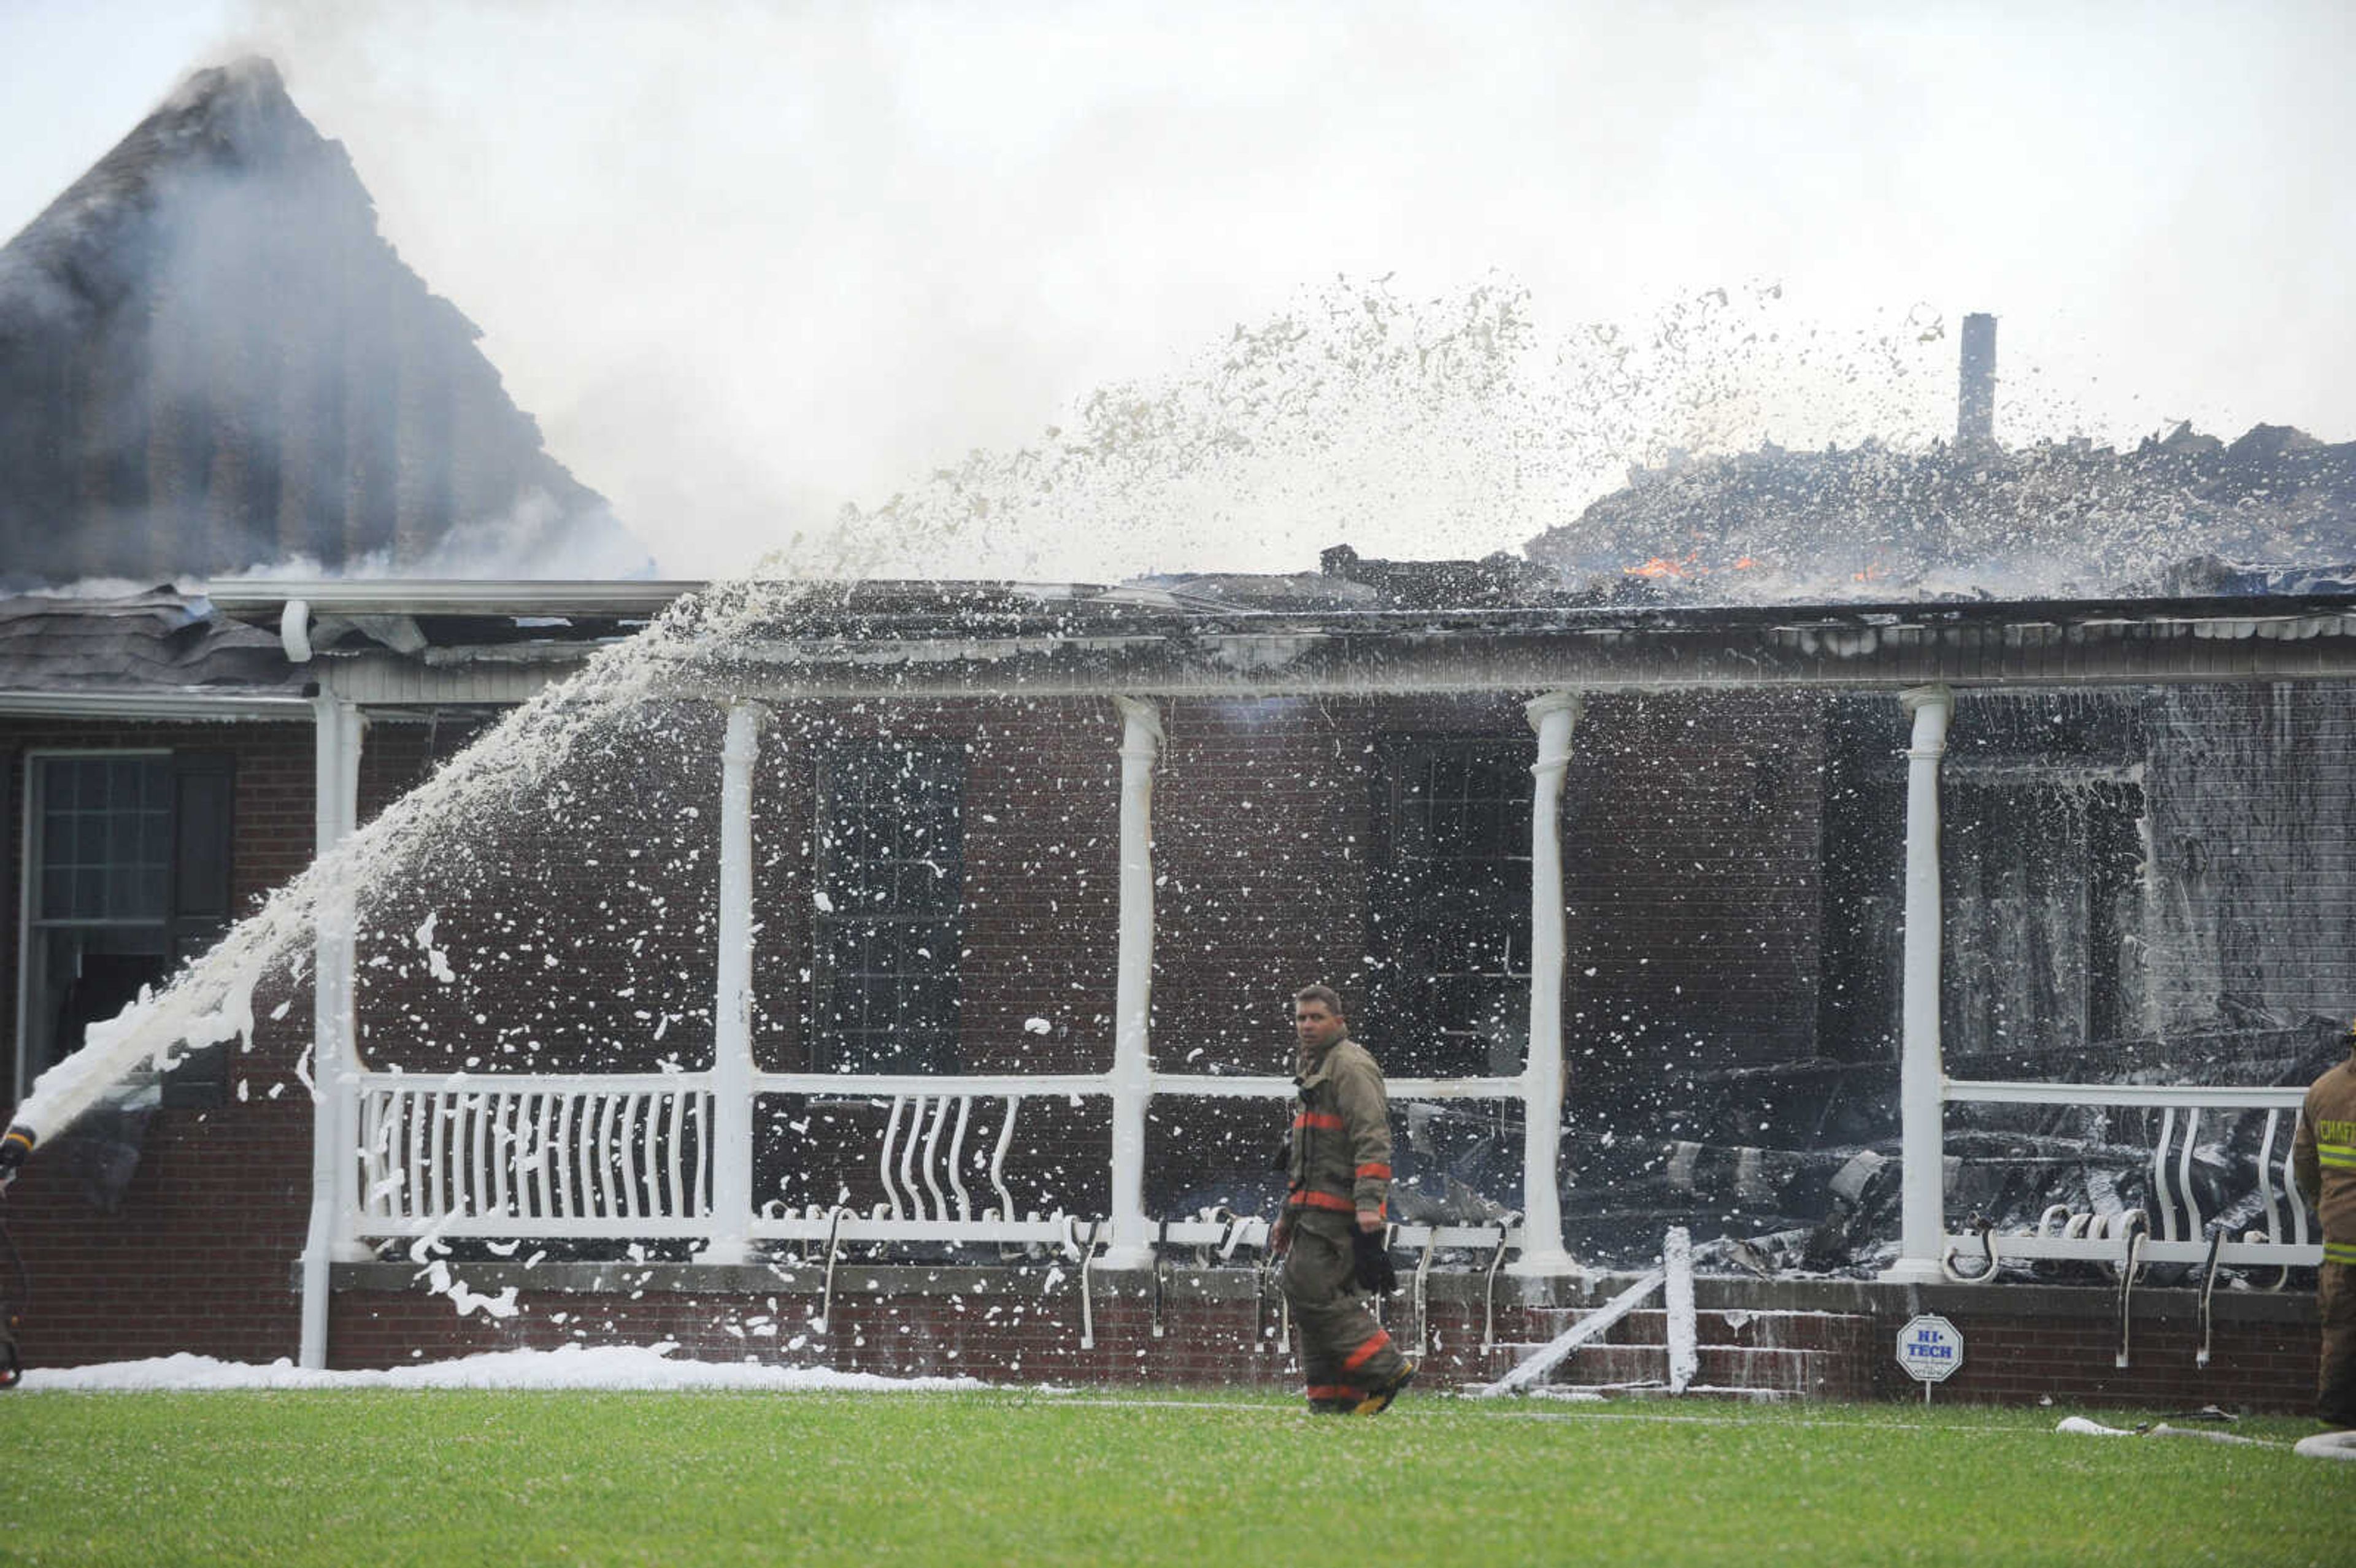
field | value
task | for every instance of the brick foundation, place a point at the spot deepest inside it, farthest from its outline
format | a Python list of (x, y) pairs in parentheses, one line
[(1817, 1339)]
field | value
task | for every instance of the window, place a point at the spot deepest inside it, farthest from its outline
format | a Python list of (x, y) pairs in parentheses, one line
[(2042, 875), (889, 893), (1449, 910), (127, 862)]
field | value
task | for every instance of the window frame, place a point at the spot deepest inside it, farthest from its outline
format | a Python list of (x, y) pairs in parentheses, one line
[(1403, 835), (831, 1049), (204, 1085)]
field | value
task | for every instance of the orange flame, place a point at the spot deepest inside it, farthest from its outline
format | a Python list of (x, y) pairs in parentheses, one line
[(1662, 566), (1690, 565)]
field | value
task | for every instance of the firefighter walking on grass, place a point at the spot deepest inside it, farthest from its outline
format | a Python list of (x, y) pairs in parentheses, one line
[(2324, 1158), (1332, 1234)]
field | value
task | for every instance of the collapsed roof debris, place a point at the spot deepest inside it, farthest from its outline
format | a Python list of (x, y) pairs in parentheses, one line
[(1971, 521)]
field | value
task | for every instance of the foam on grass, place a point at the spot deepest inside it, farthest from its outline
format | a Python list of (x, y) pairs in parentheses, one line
[(618, 1367)]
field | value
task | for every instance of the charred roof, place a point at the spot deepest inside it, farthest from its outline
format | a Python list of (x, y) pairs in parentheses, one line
[(209, 359), (2056, 519), (154, 642)]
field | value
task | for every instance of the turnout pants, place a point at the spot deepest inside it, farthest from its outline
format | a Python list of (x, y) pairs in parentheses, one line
[(1344, 1354), (2335, 1385)]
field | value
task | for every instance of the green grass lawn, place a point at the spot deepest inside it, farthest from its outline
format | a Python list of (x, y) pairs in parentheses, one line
[(379, 1476)]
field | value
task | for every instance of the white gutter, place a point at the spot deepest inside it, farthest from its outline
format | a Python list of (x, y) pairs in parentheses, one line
[(192, 703), (416, 597)]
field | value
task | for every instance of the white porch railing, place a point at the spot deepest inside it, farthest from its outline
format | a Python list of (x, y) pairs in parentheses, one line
[(590, 1157), (1927, 1249), (2283, 1244), (632, 1157), (638, 1156), (2124, 1240)]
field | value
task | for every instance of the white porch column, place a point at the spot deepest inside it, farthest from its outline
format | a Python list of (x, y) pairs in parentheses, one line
[(1553, 716), (335, 1064), (1920, 1076), (1132, 1063), (732, 1017)]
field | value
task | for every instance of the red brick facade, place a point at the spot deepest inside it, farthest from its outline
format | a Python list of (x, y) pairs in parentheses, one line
[(1823, 1340), (580, 925), (199, 1256)]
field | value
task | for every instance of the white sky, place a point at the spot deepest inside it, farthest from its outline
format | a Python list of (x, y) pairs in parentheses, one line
[(748, 263)]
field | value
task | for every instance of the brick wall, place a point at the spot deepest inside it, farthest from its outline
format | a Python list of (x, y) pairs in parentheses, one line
[(2030, 1344), (196, 1256), (2022, 1344), (2252, 792), (1692, 848), (567, 950), (2252, 1366), (1693, 830), (575, 921), (1261, 827), (1015, 1325)]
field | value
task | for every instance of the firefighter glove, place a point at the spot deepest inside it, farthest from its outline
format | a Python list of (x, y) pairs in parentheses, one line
[(1374, 1260)]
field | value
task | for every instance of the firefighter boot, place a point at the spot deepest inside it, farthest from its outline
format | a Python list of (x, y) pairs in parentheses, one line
[(1378, 1399)]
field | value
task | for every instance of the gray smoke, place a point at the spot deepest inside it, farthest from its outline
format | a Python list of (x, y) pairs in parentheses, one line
[(211, 362)]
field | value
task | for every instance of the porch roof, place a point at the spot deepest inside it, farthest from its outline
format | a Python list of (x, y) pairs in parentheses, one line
[(1305, 635), (149, 655)]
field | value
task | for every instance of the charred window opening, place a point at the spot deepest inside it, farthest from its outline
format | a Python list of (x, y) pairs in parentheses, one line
[(128, 873), (2041, 872), (888, 922), (1864, 881), (1449, 909)]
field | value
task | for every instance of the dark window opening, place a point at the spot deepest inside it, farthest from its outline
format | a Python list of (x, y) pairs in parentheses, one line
[(128, 871), (1858, 997), (888, 926), (2041, 888), (2041, 880), (1448, 912)]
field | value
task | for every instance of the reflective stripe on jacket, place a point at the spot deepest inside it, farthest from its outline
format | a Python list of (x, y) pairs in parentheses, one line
[(2324, 1158), (1340, 1155)]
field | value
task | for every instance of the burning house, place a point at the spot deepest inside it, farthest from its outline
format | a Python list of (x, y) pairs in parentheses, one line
[(893, 973), (946, 928)]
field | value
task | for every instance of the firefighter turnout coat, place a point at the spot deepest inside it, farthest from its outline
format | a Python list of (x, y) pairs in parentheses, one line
[(2323, 1155), (1339, 1159)]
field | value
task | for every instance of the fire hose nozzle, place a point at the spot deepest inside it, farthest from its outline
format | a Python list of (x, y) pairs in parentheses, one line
[(15, 1147)]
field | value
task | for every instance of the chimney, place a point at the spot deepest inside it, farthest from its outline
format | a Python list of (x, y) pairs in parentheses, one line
[(1975, 397)]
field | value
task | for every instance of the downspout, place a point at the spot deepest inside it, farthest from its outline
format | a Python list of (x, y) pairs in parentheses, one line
[(294, 631), (1554, 715), (1132, 1080)]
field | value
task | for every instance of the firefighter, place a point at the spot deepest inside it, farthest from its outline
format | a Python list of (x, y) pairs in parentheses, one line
[(1338, 1160), (2324, 1156)]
